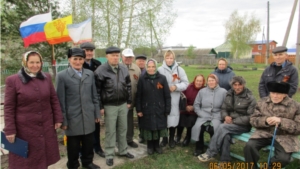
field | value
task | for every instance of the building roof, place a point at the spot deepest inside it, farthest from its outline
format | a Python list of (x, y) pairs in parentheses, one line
[(225, 47), (261, 42)]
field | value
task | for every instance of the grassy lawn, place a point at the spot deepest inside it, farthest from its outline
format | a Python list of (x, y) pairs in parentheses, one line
[(181, 157)]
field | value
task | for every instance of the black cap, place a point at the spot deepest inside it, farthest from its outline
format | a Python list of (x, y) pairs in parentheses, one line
[(278, 87), (112, 49), (87, 45), (76, 52), (141, 57), (279, 49)]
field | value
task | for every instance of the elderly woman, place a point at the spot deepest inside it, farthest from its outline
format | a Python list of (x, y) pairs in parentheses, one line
[(207, 105), (32, 113), (224, 73), (153, 104), (178, 82), (189, 117), (276, 110)]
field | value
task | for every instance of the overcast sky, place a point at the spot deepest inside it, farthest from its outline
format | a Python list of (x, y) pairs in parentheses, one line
[(201, 22)]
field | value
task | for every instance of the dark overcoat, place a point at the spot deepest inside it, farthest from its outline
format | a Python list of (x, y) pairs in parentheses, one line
[(31, 109), (153, 99)]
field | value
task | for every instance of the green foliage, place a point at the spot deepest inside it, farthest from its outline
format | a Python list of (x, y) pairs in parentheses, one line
[(240, 30), (190, 52)]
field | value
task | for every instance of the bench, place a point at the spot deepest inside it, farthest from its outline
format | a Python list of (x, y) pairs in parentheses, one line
[(245, 137)]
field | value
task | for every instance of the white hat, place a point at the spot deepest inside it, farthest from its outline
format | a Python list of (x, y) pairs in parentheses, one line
[(128, 53)]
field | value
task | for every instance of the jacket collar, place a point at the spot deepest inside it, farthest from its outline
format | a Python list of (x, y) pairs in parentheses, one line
[(243, 94), (25, 78), (72, 73), (285, 101)]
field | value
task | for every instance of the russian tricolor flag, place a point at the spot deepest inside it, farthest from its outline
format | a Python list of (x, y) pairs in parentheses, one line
[(32, 30)]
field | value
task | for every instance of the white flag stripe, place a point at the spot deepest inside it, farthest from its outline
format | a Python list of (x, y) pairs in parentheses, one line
[(80, 32), (36, 19)]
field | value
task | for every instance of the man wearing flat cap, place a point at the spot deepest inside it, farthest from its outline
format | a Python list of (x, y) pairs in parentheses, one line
[(275, 110), (79, 101), (92, 64), (134, 72), (282, 70), (114, 86), (140, 61)]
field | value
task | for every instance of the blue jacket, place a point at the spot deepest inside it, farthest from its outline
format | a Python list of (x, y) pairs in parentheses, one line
[(224, 77)]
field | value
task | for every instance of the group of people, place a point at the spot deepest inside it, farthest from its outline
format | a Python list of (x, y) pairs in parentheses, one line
[(220, 104)]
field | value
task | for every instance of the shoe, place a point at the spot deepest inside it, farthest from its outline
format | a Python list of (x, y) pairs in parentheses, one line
[(150, 151), (133, 144), (177, 139), (101, 154), (171, 143), (205, 157), (158, 150), (185, 142), (128, 155), (164, 142), (110, 162), (91, 166), (197, 152)]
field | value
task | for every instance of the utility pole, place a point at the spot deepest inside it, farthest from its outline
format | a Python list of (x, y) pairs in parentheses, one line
[(268, 29), (288, 29), (298, 44), (150, 15)]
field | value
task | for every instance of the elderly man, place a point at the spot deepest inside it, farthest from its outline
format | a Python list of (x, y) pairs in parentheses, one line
[(79, 101), (237, 107), (282, 70), (92, 64), (135, 72), (114, 86), (275, 110), (140, 61)]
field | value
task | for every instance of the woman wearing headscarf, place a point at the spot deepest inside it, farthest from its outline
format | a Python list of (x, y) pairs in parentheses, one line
[(153, 104), (189, 117), (224, 73), (178, 82), (207, 105), (32, 113)]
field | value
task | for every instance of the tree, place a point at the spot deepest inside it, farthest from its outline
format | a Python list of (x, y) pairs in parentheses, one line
[(240, 30), (12, 15), (126, 23), (190, 53)]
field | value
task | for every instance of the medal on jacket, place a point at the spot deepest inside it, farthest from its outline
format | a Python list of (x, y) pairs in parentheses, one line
[(159, 86), (175, 76), (286, 78), (135, 77)]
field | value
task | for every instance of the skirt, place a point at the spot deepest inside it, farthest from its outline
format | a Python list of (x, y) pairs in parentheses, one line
[(154, 134), (187, 120)]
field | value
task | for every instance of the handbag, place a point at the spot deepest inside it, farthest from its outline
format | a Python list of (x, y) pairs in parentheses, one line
[(182, 99)]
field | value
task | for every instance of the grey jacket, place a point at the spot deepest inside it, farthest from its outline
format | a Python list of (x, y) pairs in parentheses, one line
[(288, 72), (207, 106), (78, 100), (239, 107)]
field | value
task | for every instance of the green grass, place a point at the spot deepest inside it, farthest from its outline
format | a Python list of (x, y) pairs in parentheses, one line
[(181, 157)]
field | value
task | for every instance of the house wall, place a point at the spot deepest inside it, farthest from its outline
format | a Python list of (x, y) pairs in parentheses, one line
[(263, 51)]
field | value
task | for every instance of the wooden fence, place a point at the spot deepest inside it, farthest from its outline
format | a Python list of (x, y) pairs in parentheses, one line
[(261, 59)]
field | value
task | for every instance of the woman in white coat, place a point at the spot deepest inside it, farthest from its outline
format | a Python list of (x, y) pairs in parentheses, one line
[(178, 82)]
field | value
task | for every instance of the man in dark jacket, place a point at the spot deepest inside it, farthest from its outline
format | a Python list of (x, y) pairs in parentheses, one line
[(114, 86), (92, 64), (237, 107), (281, 70)]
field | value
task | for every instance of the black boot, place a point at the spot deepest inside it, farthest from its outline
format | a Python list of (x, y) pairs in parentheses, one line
[(156, 147), (200, 144), (150, 147), (187, 138), (171, 137), (164, 142), (178, 134)]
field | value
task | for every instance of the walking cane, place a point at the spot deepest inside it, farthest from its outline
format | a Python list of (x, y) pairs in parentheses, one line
[(272, 144)]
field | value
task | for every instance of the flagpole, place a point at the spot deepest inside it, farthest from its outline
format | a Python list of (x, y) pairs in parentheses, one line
[(53, 62)]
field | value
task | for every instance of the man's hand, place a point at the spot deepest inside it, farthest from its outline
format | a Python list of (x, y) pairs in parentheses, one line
[(189, 108), (57, 125), (173, 88), (97, 120), (11, 138), (140, 114), (102, 112), (272, 121), (64, 127), (128, 106), (228, 120)]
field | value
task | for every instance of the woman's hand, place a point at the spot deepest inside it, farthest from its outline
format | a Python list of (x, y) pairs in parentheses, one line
[(173, 88), (102, 112), (57, 125), (11, 138), (140, 114), (64, 127)]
